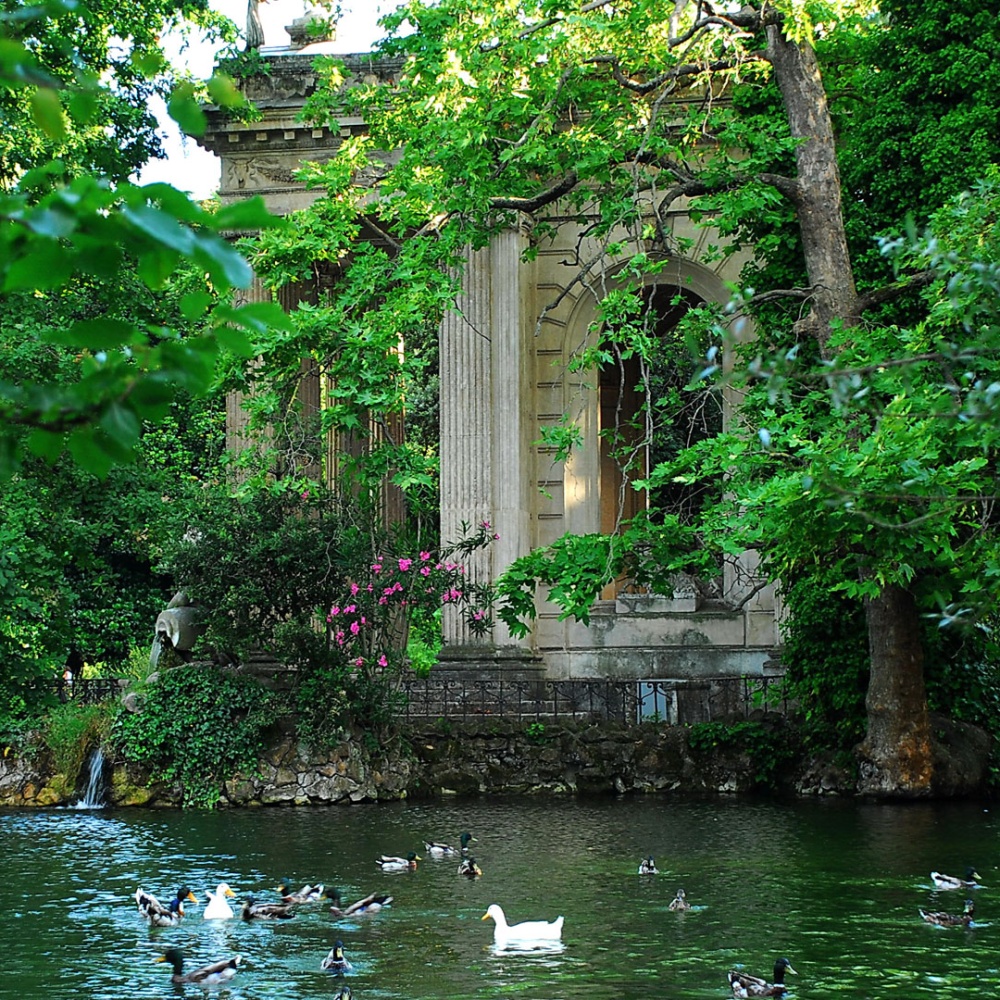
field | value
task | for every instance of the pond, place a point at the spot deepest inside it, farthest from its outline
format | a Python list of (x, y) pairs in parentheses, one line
[(834, 886)]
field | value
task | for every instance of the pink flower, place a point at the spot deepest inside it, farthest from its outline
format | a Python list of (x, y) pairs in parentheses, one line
[(425, 571), (355, 628), (405, 564), (359, 662), (484, 525), (350, 609), (478, 616), (335, 610), (340, 638), (304, 494), (382, 661), (376, 567), (496, 538), (424, 556), (354, 590), (383, 600)]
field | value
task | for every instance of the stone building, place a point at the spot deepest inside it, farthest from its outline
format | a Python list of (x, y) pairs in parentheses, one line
[(504, 357)]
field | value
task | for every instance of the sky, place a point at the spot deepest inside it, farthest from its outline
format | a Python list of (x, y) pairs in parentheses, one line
[(193, 169)]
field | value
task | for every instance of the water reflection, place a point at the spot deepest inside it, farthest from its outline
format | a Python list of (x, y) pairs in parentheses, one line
[(835, 886)]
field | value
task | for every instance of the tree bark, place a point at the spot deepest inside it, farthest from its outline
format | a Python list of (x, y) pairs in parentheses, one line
[(897, 757), (896, 754), (821, 222)]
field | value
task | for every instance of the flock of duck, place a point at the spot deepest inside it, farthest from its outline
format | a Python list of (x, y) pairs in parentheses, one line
[(745, 986), (530, 934)]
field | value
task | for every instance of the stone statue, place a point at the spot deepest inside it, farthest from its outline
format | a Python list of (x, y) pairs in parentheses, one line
[(255, 30), (177, 628)]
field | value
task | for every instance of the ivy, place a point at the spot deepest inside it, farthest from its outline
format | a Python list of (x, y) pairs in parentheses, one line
[(197, 727)]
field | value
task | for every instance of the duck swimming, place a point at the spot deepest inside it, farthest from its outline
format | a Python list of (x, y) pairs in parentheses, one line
[(163, 916), (218, 908), (679, 902), (252, 910), (388, 863), (371, 903), (336, 961), (942, 919), (529, 934), (744, 985), (207, 975), (971, 880), (437, 850), (648, 866), (307, 894), (469, 868)]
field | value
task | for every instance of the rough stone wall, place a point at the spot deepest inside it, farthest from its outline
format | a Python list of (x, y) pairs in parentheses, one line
[(499, 757)]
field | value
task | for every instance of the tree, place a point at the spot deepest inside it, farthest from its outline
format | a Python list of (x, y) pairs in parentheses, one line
[(62, 223), (608, 116)]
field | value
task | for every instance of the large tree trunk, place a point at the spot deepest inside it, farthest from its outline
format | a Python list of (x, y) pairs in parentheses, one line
[(896, 757), (897, 751), (821, 222)]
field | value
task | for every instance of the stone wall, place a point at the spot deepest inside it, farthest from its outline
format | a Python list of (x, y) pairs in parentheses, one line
[(499, 757)]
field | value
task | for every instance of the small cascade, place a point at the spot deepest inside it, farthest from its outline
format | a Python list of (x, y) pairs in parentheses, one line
[(93, 797)]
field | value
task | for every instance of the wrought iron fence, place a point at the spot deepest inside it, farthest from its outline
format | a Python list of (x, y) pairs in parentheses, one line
[(677, 702), (628, 702), (88, 690)]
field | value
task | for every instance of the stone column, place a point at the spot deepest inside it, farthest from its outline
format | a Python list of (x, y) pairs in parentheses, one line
[(466, 401), (513, 418), (485, 421)]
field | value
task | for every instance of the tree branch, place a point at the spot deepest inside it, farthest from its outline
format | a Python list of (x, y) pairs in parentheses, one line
[(541, 199), (889, 292)]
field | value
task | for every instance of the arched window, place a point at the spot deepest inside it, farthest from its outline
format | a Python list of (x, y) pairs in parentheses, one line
[(647, 413)]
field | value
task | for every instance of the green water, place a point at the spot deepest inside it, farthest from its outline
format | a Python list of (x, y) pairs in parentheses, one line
[(834, 886)]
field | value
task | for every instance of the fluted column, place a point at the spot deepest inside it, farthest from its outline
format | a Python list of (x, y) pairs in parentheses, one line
[(512, 411), (466, 401)]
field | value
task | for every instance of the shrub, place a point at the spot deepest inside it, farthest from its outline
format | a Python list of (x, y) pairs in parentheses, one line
[(198, 726)]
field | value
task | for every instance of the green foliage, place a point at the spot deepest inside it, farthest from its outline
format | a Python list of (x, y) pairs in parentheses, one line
[(198, 726), (69, 82), (825, 654), (261, 563), (71, 730), (770, 748), (535, 731)]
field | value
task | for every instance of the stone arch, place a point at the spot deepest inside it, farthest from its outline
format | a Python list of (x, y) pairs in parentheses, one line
[(586, 473)]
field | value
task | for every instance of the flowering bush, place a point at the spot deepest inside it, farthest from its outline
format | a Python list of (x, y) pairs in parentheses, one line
[(371, 622)]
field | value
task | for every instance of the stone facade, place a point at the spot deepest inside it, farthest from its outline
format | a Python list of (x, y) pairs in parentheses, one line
[(505, 375)]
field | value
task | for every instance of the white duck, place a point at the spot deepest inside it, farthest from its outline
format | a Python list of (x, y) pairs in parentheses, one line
[(529, 934), (218, 908)]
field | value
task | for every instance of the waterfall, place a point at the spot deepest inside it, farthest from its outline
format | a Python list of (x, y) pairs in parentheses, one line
[(93, 797)]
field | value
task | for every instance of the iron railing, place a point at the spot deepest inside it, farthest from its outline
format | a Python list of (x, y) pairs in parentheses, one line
[(88, 690), (628, 702)]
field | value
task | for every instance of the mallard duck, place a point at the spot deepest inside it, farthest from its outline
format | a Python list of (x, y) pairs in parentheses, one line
[(388, 863), (679, 902), (529, 934), (307, 894), (469, 868), (344, 994), (744, 985), (252, 910), (436, 850), (942, 919), (971, 880), (371, 903), (648, 866), (207, 975), (158, 914), (336, 961), (218, 908)]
